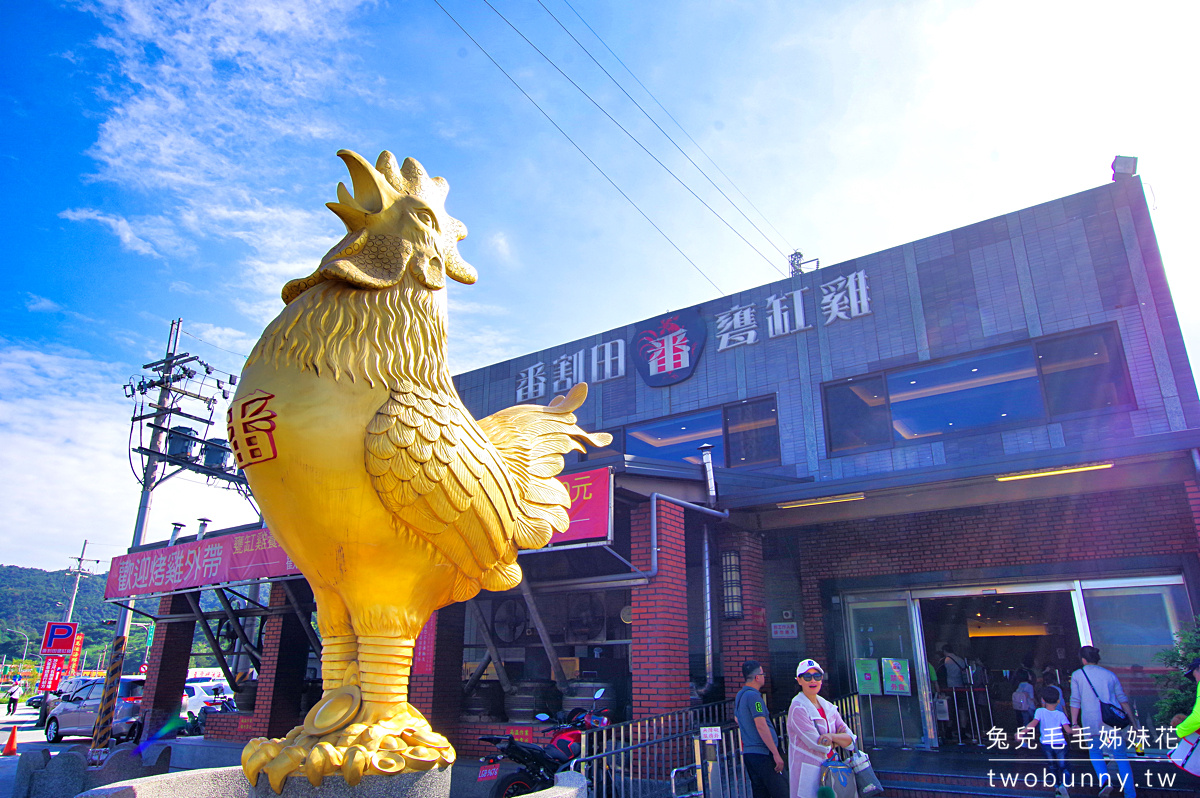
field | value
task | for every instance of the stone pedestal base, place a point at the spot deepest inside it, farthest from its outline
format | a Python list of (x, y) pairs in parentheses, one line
[(425, 784)]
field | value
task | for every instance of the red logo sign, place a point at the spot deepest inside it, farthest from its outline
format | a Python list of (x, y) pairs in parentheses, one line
[(52, 673), (59, 638), (591, 503)]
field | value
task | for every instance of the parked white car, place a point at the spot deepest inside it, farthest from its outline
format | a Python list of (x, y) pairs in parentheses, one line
[(199, 694)]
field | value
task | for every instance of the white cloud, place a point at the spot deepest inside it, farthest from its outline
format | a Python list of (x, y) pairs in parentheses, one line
[(65, 428), (39, 304), (119, 226), (498, 243), (227, 338)]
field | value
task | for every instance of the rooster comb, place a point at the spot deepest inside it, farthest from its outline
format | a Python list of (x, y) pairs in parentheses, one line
[(378, 187)]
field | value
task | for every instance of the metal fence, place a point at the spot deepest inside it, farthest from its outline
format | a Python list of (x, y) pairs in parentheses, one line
[(637, 759), (662, 756)]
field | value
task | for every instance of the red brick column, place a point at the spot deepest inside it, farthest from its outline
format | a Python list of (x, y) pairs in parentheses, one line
[(438, 693), (659, 654), (284, 659), (1192, 490), (167, 667), (743, 638)]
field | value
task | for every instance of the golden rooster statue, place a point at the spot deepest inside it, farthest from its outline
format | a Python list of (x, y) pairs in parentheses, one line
[(371, 474)]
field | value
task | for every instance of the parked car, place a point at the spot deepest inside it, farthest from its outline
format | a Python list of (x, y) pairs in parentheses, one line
[(201, 694), (65, 687), (34, 701), (75, 714)]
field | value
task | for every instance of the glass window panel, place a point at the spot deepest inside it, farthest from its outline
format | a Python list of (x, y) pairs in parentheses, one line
[(994, 388), (1084, 372), (1131, 624), (678, 438), (856, 414), (752, 430)]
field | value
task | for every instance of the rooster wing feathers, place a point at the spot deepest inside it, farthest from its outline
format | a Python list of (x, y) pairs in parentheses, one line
[(476, 491)]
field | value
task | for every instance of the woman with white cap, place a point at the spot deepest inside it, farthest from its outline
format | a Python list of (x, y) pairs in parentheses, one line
[(814, 727)]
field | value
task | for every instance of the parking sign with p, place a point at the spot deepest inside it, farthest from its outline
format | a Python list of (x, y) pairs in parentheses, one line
[(58, 638)]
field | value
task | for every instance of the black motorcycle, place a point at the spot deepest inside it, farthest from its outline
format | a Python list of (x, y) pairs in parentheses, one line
[(539, 763)]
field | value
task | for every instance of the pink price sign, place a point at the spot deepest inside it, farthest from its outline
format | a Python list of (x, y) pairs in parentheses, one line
[(239, 557), (591, 506)]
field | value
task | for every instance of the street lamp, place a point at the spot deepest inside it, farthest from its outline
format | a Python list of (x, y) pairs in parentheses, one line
[(26, 651)]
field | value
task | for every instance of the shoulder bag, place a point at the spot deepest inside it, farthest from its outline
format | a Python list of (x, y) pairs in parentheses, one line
[(839, 776), (1111, 714)]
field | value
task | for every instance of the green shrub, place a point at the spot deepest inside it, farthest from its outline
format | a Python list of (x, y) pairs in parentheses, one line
[(1176, 692)]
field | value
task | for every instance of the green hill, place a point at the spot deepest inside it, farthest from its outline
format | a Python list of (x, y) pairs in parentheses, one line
[(29, 597)]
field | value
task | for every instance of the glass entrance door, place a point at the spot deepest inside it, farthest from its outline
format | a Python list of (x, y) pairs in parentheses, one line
[(881, 632)]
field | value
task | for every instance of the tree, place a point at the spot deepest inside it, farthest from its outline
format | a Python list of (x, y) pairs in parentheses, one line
[(1176, 692)]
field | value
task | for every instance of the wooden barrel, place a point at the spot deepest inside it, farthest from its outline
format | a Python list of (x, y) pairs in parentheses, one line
[(531, 698), (580, 693), (485, 703)]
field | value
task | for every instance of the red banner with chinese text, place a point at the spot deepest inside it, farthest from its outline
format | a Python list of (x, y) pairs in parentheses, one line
[(240, 557), (52, 672), (76, 653), (591, 506)]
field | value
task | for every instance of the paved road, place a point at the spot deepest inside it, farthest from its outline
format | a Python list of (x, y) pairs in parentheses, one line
[(28, 739)]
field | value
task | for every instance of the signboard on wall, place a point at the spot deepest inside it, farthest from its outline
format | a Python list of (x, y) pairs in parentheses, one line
[(895, 676), (866, 676), (240, 557), (784, 631)]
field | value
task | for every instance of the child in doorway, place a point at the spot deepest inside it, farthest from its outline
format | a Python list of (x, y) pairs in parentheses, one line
[(1055, 728)]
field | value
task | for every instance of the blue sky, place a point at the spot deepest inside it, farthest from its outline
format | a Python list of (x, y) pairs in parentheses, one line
[(173, 159)]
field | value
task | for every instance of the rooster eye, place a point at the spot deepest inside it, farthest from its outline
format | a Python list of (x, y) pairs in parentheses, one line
[(426, 216)]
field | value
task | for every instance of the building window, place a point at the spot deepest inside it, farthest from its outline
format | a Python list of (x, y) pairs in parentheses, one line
[(965, 393), (1084, 372), (612, 450), (856, 414), (1063, 375), (752, 433), (731, 584), (678, 438)]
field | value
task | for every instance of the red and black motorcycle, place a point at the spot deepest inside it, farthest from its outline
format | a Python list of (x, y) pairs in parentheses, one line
[(539, 763)]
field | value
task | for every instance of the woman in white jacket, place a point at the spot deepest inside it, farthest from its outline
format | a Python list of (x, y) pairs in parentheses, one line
[(814, 727)]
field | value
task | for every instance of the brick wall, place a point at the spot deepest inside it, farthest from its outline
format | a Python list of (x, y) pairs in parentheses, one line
[(1131, 523), (743, 638), (167, 667), (659, 654)]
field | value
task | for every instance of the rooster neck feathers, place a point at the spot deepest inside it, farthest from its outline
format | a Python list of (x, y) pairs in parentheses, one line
[(389, 337)]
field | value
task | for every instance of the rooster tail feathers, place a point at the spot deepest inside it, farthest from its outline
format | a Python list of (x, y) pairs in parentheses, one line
[(532, 439)]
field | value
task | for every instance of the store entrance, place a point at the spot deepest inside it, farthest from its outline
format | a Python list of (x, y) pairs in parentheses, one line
[(997, 636)]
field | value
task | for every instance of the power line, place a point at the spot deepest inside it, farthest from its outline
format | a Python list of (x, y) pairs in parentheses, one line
[(549, 119), (214, 346), (660, 130), (632, 137), (677, 123)]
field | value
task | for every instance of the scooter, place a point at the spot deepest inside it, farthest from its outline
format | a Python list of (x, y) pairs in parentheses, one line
[(540, 763)]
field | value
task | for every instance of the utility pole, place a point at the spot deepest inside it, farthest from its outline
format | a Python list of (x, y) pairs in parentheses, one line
[(79, 572), (173, 381)]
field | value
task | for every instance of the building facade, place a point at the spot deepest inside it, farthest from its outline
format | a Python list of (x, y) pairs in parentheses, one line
[(984, 439)]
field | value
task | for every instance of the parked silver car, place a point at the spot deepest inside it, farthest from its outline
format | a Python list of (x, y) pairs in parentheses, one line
[(76, 714)]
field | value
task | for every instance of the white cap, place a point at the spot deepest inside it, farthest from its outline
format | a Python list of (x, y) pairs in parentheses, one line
[(807, 665)]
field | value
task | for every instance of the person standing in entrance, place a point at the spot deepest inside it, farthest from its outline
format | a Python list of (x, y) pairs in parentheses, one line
[(760, 754), (1090, 685), (814, 727)]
